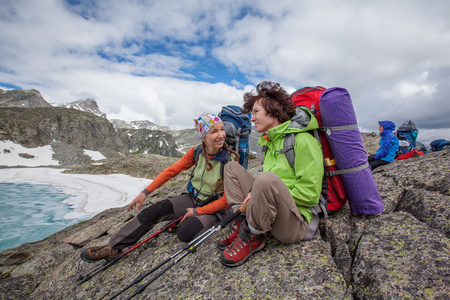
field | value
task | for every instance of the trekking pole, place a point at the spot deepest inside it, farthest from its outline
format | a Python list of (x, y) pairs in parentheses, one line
[(108, 263), (190, 247)]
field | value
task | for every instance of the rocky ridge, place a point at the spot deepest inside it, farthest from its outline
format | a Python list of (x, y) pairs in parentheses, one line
[(402, 253), (19, 98), (34, 127), (28, 119)]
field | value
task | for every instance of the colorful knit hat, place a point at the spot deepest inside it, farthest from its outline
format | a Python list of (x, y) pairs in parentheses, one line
[(204, 123)]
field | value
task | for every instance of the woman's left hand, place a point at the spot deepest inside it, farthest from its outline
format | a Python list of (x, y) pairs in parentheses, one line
[(189, 213), (249, 196), (243, 207)]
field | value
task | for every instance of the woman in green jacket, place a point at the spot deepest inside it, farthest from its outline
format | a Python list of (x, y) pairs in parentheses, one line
[(277, 200)]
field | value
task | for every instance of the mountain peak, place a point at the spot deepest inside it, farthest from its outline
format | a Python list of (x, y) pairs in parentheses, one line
[(22, 98), (87, 105)]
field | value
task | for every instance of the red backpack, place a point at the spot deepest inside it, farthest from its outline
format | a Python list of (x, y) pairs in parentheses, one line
[(309, 97)]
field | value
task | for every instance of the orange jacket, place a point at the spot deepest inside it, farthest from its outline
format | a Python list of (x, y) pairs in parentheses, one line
[(185, 163)]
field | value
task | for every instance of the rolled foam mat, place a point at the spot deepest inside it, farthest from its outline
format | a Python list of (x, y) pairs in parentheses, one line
[(346, 143)]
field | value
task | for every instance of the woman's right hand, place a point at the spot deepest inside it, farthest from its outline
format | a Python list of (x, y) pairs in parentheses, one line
[(138, 201)]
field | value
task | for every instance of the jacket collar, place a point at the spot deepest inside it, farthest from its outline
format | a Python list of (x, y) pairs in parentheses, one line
[(220, 156)]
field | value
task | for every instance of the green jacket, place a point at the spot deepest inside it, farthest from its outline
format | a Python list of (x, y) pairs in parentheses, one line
[(306, 184)]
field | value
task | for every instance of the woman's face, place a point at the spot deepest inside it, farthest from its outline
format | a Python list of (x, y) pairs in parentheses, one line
[(262, 121), (380, 128), (215, 138)]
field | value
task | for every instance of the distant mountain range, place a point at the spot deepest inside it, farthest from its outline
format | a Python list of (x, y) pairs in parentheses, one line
[(28, 119)]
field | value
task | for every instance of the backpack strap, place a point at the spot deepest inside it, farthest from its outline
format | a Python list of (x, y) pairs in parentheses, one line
[(288, 149), (288, 146), (312, 227), (222, 165), (328, 130), (197, 152), (264, 149), (346, 171), (190, 187), (238, 134)]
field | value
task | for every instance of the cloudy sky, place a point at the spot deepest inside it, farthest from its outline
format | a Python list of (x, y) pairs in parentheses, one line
[(168, 61)]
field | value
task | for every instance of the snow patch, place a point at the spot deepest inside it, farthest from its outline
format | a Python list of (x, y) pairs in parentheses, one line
[(95, 155), (12, 155)]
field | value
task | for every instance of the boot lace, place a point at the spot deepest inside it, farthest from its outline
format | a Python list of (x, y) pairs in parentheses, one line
[(240, 242), (230, 231)]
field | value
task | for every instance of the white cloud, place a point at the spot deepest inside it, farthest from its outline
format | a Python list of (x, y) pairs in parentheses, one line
[(143, 59)]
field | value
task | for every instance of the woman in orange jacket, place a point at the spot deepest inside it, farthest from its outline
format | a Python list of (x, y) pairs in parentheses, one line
[(199, 206)]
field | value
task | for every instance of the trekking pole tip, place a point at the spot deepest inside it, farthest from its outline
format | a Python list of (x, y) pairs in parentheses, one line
[(83, 278)]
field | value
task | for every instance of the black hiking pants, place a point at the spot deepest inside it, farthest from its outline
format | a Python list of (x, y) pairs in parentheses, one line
[(166, 210), (375, 163)]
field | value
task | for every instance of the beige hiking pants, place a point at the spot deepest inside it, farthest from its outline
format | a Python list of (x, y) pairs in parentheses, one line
[(271, 208)]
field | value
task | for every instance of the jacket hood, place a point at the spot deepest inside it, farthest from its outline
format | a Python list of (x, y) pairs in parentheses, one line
[(302, 120), (388, 126)]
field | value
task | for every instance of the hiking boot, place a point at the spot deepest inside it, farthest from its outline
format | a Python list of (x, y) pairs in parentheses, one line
[(243, 247), (94, 254), (228, 239)]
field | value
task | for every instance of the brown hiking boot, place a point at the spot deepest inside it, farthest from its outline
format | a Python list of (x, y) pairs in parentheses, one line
[(94, 254)]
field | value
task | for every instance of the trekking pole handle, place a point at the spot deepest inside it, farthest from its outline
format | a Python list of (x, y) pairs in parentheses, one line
[(229, 218)]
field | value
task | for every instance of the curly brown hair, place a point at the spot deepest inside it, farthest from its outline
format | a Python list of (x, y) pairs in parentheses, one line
[(273, 98)]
